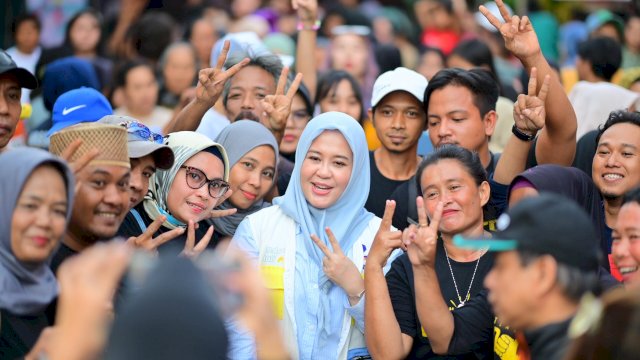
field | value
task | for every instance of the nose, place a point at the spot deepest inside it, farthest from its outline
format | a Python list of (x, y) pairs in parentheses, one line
[(398, 120), (323, 170), (254, 179), (115, 195), (248, 102), (4, 105), (612, 160), (290, 122), (135, 182), (43, 217), (443, 129)]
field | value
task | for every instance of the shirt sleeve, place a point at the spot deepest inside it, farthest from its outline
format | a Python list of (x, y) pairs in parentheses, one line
[(402, 298), (473, 325), (244, 240), (242, 345), (499, 197)]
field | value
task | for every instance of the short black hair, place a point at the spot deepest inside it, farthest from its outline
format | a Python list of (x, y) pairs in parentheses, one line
[(468, 159), (124, 69), (618, 117), (483, 86), (24, 18), (632, 196), (603, 53)]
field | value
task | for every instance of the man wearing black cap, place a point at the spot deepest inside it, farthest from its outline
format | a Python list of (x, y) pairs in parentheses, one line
[(12, 80), (548, 259)]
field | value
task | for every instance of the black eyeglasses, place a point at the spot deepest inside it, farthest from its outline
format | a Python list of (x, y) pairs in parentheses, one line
[(196, 179)]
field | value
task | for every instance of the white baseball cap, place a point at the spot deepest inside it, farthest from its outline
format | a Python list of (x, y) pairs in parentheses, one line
[(400, 79)]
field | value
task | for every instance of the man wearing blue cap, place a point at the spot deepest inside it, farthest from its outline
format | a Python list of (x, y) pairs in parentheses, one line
[(548, 258), (76, 106), (12, 80)]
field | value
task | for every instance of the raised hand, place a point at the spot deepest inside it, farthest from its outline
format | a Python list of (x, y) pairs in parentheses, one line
[(421, 240), (519, 36), (146, 240), (80, 163), (211, 80), (278, 106), (307, 10), (191, 249), (385, 240), (338, 267), (529, 111)]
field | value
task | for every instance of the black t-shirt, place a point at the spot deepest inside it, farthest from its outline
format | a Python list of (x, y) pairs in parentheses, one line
[(60, 256), (381, 188), (130, 227), (400, 282), (18, 333)]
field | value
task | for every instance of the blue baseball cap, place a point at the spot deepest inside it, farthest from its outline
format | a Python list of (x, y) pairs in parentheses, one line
[(76, 106)]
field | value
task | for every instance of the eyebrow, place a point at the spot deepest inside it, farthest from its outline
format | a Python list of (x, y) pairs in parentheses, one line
[(335, 156), (38, 198), (253, 87), (623, 145)]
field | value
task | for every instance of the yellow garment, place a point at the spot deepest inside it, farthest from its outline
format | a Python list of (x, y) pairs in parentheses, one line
[(370, 133)]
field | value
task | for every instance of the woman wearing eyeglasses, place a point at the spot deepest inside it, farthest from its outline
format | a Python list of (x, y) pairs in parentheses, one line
[(182, 197)]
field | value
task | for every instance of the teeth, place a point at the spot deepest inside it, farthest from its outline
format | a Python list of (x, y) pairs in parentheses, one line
[(627, 270), (109, 215), (323, 187), (613, 176)]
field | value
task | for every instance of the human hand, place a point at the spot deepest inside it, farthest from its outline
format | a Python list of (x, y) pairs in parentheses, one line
[(518, 34), (191, 249), (80, 163), (338, 267), (216, 213), (211, 80), (87, 282), (529, 110), (421, 240), (307, 10), (277, 107), (146, 240), (385, 240)]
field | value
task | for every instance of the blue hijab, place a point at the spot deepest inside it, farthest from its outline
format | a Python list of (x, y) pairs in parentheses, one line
[(347, 218)]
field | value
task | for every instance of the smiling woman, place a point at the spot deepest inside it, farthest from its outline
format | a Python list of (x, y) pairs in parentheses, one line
[(304, 234), (183, 196), (35, 209)]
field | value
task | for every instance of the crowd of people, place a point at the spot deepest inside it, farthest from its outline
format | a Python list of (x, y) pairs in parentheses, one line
[(309, 179)]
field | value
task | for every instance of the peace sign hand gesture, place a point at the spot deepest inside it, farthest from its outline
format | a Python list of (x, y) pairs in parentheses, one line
[(338, 267), (191, 249), (386, 240), (518, 34), (529, 111), (211, 80), (278, 106), (146, 240), (421, 240)]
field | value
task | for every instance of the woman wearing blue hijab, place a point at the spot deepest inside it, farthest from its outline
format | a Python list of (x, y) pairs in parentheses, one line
[(328, 189), (36, 189)]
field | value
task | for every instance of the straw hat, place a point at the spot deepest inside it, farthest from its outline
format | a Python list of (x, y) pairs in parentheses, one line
[(111, 140)]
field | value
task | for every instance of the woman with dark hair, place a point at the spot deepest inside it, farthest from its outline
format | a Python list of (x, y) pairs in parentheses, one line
[(453, 188), (37, 197), (83, 39), (431, 61)]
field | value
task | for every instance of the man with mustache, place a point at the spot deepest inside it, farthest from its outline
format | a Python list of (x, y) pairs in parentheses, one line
[(399, 118)]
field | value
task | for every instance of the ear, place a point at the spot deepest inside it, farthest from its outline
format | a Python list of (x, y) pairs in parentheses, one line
[(490, 120), (485, 193), (370, 114), (547, 272)]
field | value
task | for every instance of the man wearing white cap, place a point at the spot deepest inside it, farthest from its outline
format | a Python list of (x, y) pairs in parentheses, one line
[(399, 119)]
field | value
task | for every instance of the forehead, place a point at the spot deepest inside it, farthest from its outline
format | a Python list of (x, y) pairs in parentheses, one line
[(144, 161), (400, 99), (350, 39), (331, 142), (451, 98), (9, 81), (622, 133), (443, 170), (207, 162), (139, 72), (113, 171), (253, 76), (629, 215), (180, 53)]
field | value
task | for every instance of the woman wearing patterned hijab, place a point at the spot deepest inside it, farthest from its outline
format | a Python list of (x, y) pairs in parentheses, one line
[(291, 243), (36, 189), (252, 150), (183, 196)]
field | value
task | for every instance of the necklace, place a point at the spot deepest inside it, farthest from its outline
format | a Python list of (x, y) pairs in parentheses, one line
[(461, 302)]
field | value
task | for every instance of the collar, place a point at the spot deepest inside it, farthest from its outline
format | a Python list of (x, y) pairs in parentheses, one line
[(549, 341)]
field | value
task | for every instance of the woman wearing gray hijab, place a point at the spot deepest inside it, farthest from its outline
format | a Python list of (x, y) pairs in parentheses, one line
[(252, 151), (36, 189)]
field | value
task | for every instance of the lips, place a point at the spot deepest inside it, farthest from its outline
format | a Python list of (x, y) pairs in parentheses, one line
[(196, 207), (321, 189), (40, 241), (248, 195), (612, 177), (4, 129), (289, 138), (397, 138), (628, 272), (449, 212)]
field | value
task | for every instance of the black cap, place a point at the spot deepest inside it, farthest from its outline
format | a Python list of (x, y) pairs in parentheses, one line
[(548, 224), (8, 66)]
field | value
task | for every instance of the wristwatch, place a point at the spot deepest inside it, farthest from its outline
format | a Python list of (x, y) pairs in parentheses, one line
[(522, 136)]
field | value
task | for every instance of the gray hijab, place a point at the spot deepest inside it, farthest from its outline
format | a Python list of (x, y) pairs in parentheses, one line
[(25, 288), (238, 139)]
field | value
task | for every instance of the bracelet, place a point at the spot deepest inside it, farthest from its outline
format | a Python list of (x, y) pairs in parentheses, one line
[(301, 26), (522, 136)]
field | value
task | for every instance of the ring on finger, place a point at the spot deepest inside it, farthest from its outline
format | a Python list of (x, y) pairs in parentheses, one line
[(422, 225)]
